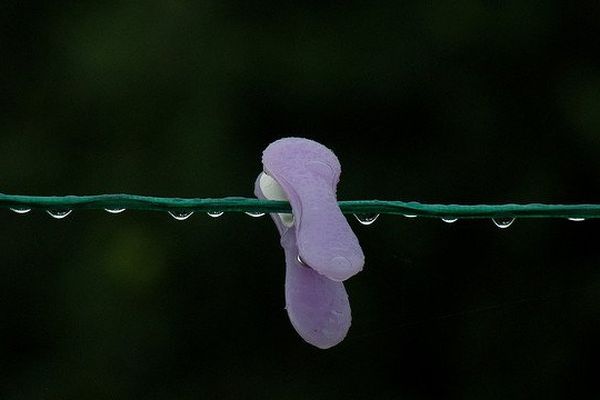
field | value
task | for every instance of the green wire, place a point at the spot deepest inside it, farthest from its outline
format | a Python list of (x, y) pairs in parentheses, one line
[(242, 204)]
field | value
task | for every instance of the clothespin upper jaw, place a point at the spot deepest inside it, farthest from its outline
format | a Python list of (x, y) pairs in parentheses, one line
[(307, 174)]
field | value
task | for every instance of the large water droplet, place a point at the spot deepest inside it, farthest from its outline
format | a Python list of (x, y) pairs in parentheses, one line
[(21, 210), (576, 219), (114, 210), (366, 219), (59, 214), (449, 220), (180, 215), (410, 215), (255, 214), (215, 214), (503, 222)]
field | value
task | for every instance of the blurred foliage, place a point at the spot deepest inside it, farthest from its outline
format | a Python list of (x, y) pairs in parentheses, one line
[(463, 101)]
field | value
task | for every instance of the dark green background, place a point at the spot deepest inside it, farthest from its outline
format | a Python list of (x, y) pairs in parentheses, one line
[(463, 101)]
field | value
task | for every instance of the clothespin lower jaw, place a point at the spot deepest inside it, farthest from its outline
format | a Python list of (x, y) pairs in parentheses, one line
[(318, 308), (308, 173)]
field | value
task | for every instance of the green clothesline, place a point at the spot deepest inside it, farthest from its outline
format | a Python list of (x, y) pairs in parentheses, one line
[(249, 205)]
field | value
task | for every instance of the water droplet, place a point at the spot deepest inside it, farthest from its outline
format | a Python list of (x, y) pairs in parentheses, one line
[(503, 222), (255, 214), (215, 214), (21, 210), (449, 220), (366, 219), (180, 215), (576, 219), (410, 215), (301, 261), (59, 214), (114, 210)]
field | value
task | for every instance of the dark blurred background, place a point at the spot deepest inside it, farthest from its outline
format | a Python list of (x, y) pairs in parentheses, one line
[(464, 101)]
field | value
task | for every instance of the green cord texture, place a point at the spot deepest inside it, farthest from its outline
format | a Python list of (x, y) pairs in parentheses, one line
[(243, 204)]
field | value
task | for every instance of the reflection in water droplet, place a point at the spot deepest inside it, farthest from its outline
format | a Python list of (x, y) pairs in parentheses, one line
[(503, 222), (21, 210), (215, 214), (410, 215), (301, 261), (449, 220), (255, 214), (114, 210), (366, 219), (59, 214), (180, 215), (576, 219)]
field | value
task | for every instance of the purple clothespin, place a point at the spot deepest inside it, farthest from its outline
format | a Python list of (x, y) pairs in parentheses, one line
[(320, 248)]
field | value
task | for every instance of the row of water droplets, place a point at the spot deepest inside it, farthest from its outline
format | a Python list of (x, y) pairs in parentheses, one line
[(179, 215), (364, 219), (368, 219), (500, 222), (58, 214)]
